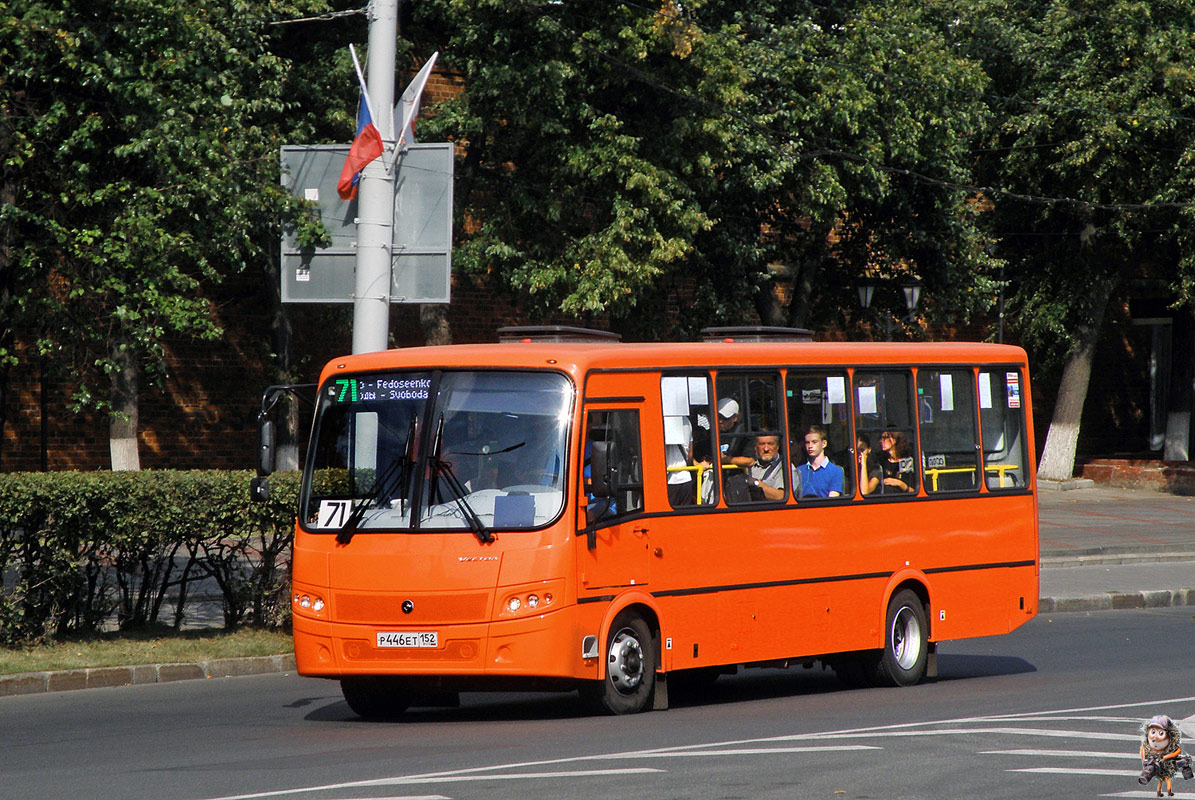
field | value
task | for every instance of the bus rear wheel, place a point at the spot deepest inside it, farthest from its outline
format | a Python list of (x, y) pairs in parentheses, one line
[(630, 668), (906, 642), (375, 698)]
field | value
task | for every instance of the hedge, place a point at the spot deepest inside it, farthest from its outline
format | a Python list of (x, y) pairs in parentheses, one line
[(83, 551)]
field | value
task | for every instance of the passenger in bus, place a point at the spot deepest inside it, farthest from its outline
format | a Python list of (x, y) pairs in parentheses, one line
[(734, 445), (870, 471), (897, 463), (681, 482), (766, 473), (820, 477)]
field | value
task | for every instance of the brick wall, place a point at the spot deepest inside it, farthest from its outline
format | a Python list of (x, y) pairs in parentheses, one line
[(204, 416)]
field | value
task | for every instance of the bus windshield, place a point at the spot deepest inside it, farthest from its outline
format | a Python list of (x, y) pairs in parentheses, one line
[(466, 450)]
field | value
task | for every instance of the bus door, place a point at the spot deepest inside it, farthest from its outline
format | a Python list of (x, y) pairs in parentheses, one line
[(613, 548)]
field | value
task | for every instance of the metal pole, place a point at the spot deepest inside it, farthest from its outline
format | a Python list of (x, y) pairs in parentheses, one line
[(1000, 330), (375, 198)]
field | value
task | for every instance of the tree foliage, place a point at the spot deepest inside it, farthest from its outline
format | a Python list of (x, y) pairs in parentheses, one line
[(140, 169), (1092, 144), (612, 153), (615, 147)]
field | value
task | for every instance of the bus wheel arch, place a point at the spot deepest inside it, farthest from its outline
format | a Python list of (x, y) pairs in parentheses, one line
[(629, 659), (904, 657)]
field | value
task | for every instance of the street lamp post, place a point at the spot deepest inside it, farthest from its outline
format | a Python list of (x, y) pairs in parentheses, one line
[(910, 288)]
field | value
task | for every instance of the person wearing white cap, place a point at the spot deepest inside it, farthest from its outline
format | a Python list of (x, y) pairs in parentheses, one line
[(732, 440)]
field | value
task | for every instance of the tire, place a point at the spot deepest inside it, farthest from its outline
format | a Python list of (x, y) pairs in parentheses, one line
[(630, 680), (375, 698), (906, 642)]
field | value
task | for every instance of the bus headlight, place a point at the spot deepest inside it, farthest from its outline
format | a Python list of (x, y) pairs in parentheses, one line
[(308, 603), (535, 598)]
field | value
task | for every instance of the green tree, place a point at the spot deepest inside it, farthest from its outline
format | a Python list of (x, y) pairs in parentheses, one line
[(1092, 152), (141, 145), (613, 149)]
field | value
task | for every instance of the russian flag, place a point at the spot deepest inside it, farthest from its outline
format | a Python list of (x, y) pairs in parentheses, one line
[(367, 144), (407, 110)]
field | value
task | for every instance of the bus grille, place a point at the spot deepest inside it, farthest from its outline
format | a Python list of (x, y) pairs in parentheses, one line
[(456, 650), (428, 609)]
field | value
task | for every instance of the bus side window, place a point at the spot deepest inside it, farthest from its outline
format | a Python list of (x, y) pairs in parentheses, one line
[(884, 414), (820, 398), (748, 407), (612, 442), (1002, 427), (949, 441), (688, 440)]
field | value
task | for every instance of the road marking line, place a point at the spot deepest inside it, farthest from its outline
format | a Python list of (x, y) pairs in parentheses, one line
[(1079, 771), (898, 729), (445, 777), (1061, 753), (1049, 718), (1119, 737), (743, 751), (519, 776)]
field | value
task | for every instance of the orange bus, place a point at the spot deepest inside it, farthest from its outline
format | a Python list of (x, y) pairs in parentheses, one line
[(565, 511)]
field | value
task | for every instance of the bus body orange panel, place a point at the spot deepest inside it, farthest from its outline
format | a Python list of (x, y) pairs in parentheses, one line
[(730, 584)]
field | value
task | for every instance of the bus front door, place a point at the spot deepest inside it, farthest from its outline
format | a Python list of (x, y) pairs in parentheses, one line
[(614, 544)]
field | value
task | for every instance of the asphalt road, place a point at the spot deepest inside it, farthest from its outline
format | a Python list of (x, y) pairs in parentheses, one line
[(1053, 709)]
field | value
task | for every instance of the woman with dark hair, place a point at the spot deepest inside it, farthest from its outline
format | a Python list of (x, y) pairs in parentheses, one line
[(897, 463), (870, 472)]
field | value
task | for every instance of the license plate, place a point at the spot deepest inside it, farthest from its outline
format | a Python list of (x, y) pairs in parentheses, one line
[(410, 639)]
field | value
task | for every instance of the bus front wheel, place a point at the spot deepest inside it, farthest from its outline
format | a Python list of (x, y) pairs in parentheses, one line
[(906, 642), (630, 667)]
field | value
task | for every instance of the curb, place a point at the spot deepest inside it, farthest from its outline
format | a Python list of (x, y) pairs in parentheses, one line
[(1110, 557), (1114, 601), (1065, 486), (108, 677)]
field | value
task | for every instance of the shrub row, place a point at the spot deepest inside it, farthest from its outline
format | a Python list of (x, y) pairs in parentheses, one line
[(81, 551)]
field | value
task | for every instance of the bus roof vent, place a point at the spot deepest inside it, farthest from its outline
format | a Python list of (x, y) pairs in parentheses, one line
[(756, 333), (554, 333)]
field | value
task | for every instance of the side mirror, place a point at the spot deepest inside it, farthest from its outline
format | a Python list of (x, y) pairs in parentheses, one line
[(259, 489), (265, 447)]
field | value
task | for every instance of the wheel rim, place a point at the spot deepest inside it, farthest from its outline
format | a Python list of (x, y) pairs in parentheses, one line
[(906, 638), (625, 668)]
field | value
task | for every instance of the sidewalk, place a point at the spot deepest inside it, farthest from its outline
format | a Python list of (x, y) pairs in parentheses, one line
[(1101, 548), (1105, 548)]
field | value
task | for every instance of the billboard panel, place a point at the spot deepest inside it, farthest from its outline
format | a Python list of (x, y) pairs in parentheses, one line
[(421, 258)]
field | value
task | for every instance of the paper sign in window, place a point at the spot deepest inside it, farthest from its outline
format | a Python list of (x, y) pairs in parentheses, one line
[(1014, 390), (514, 511), (697, 392), (674, 431), (867, 400), (946, 382), (674, 393), (985, 390), (836, 389)]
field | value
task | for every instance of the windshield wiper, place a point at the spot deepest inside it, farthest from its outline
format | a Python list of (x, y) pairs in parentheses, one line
[(441, 468), (382, 489), (491, 452)]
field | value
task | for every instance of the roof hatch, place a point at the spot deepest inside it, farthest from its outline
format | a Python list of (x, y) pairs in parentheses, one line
[(555, 333), (756, 333)]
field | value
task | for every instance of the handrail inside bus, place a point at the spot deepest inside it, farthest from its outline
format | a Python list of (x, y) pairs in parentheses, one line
[(999, 469)]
